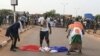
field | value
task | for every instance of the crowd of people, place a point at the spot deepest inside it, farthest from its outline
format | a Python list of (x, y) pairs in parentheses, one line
[(75, 33), (75, 29)]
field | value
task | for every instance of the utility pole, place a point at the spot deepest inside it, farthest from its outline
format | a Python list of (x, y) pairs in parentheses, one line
[(14, 3), (77, 10), (14, 12), (64, 9)]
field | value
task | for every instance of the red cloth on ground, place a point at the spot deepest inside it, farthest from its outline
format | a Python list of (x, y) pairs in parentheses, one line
[(33, 48)]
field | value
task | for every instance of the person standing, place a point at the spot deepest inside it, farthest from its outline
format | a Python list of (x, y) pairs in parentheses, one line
[(45, 29), (88, 26), (13, 33), (95, 28)]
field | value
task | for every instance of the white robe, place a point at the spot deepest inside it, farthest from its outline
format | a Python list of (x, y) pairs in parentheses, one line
[(72, 33)]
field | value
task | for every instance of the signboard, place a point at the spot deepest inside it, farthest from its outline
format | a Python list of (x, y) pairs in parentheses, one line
[(14, 2)]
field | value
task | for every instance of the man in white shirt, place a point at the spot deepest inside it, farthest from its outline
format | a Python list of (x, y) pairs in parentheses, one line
[(40, 20), (45, 29)]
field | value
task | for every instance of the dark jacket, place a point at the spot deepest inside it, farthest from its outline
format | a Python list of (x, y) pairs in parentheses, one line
[(13, 30)]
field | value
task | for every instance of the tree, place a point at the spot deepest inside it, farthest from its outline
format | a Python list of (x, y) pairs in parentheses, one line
[(4, 13), (50, 13), (97, 17), (1, 20), (79, 17)]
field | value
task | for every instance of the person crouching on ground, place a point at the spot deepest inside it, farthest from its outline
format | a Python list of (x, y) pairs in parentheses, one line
[(75, 34), (13, 33)]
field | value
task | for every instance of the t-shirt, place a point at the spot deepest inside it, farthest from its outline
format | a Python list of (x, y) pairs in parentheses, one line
[(44, 26), (43, 23), (41, 19)]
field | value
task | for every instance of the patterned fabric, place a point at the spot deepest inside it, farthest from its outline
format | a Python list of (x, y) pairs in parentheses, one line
[(76, 39)]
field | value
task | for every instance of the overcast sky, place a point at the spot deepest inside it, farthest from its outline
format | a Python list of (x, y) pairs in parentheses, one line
[(74, 7)]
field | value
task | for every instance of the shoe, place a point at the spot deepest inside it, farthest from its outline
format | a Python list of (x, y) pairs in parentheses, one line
[(47, 49), (80, 52), (72, 51), (13, 50), (68, 54), (41, 49), (16, 48)]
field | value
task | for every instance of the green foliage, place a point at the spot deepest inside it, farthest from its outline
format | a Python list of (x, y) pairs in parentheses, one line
[(1, 20), (78, 18), (97, 17), (50, 13), (5, 12)]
